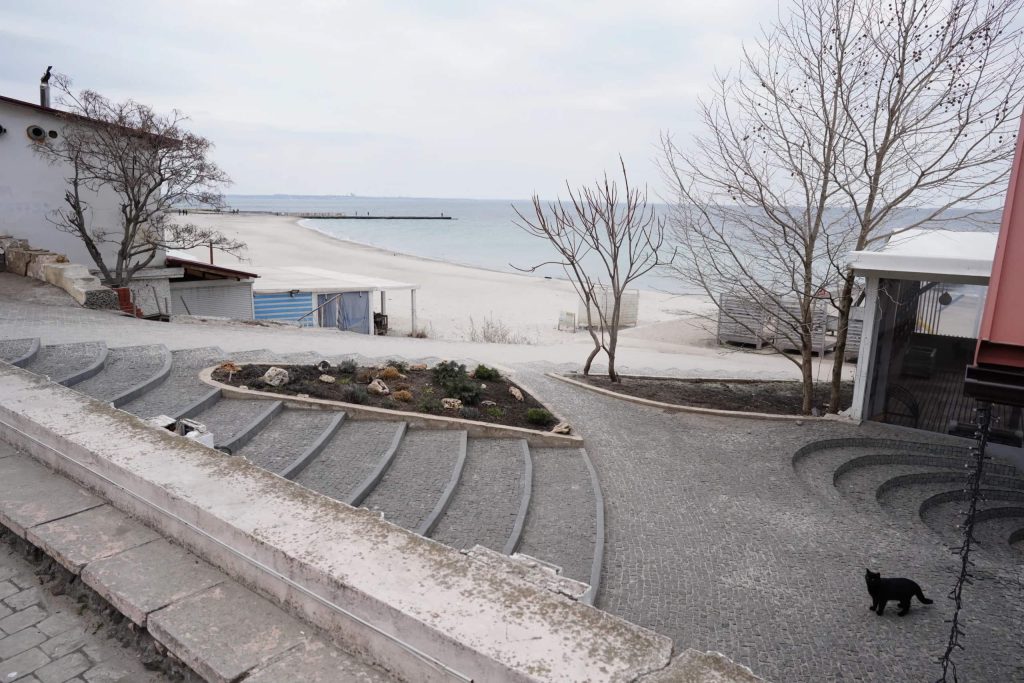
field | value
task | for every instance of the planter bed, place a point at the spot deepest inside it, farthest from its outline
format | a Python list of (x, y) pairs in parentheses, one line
[(773, 397), (350, 386)]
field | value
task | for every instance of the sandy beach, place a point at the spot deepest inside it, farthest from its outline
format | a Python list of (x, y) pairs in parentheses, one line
[(452, 299), (673, 330)]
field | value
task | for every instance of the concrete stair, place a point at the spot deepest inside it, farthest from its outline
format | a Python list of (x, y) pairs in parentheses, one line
[(461, 491), (493, 493), (127, 373), (917, 485), (19, 352), (69, 364), (418, 480)]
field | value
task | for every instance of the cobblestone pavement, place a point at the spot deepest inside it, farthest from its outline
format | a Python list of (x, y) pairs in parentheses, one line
[(48, 638), (713, 540)]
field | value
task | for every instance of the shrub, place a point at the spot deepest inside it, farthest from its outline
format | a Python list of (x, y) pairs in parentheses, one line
[(486, 374), (431, 405), (403, 395), (354, 394), (494, 412), (390, 403), (390, 372), (454, 381), (539, 416), (347, 367), (401, 386), (469, 413), (364, 376), (399, 365), (493, 331)]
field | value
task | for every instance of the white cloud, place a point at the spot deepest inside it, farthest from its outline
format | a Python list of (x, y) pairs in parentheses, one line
[(476, 99)]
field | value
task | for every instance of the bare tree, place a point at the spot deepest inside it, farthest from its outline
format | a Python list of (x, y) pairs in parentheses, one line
[(151, 162), (604, 243), (752, 217), (930, 109)]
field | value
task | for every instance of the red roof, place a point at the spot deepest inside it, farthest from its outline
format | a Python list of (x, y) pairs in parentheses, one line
[(210, 268)]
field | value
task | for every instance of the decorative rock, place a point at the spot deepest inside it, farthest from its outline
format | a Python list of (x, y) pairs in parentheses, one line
[(562, 428), (378, 388), (488, 404), (327, 379), (482, 387), (451, 403), (418, 366), (516, 394), (276, 377), (323, 366)]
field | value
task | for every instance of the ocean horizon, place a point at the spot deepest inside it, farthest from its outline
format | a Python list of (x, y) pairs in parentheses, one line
[(480, 233)]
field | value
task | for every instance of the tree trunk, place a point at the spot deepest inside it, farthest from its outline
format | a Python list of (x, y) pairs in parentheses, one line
[(807, 378), (593, 354), (838, 360)]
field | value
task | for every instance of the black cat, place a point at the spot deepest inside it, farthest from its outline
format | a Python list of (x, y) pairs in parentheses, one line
[(884, 590)]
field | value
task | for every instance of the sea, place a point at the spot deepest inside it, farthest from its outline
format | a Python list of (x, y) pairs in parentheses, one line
[(481, 233)]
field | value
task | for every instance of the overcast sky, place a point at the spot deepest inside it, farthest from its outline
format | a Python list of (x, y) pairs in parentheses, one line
[(428, 99)]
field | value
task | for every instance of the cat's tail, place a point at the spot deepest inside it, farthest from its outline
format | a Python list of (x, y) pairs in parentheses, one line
[(924, 600)]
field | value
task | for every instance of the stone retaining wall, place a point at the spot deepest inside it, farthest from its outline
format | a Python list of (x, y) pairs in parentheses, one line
[(46, 266)]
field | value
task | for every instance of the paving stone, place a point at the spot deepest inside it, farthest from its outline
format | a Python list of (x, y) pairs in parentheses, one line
[(225, 631), (18, 642), (63, 669), (58, 623), (7, 589), (318, 662), (15, 668), (76, 540), (23, 619), (4, 610), (66, 642), (147, 578), (30, 495), (25, 598)]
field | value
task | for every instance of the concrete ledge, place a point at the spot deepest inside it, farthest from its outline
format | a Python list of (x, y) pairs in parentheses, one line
[(516, 536), (146, 384), (295, 468), (46, 266), (479, 430), (373, 478), (29, 355), (445, 500), (418, 607), (95, 534), (693, 666), (676, 408)]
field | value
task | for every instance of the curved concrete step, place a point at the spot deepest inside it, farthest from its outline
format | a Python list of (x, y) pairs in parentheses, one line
[(19, 352), (908, 501), (129, 372), (860, 485), (942, 512), (182, 393), (288, 435), (410, 490), (995, 526), (489, 497), (69, 364), (351, 457), (231, 419), (561, 525)]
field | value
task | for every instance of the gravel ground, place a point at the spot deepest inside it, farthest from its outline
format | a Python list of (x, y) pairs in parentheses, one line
[(182, 386), (413, 484), (125, 367), (348, 458), (64, 360), (486, 502), (286, 437), (560, 524)]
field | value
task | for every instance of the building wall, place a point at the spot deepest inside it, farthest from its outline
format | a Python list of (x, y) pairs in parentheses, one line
[(220, 298), (31, 190)]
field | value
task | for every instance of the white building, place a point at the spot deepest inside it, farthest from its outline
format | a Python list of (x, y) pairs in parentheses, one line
[(31, 189)]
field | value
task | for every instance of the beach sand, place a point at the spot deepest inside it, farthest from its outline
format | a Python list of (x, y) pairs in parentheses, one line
[(452, 300)]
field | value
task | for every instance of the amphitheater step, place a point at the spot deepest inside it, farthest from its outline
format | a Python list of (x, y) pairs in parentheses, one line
[(561, 525), (286, 437), (232, 418), (69, 364), (419, 478), (128, 372), (996, 526), (356, 451), (490, 496), (942, 512), (182, 393), (19, 352), (860, 485)]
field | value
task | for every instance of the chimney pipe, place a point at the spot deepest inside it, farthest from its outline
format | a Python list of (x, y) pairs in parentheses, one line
[(44, 89)]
